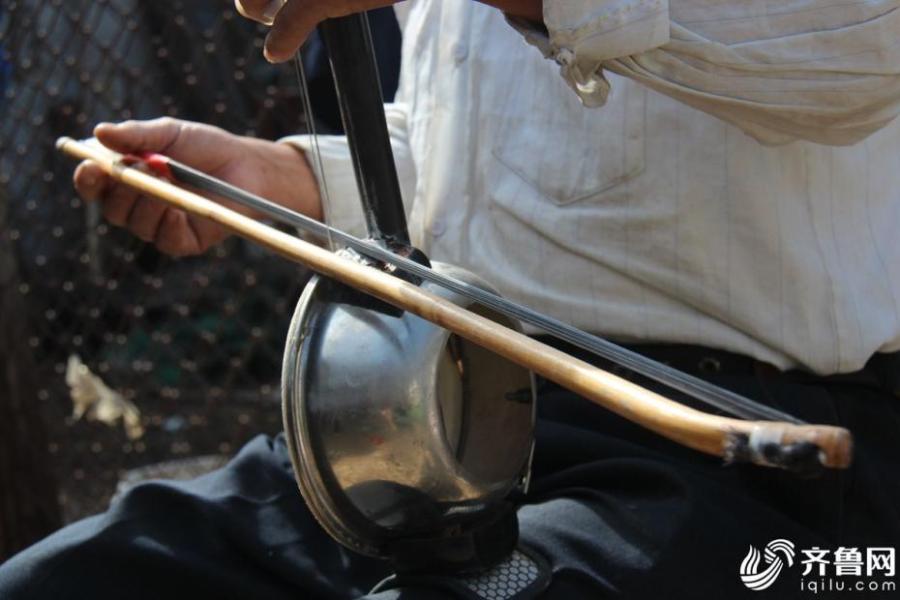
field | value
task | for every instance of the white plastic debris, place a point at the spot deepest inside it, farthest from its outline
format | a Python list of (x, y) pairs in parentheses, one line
[(93, 399)]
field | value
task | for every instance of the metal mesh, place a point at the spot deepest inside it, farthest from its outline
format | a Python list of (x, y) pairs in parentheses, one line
[(507, 580), (195, 343)]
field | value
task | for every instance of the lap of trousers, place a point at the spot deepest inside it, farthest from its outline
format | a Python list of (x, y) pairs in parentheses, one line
[(616, 511)]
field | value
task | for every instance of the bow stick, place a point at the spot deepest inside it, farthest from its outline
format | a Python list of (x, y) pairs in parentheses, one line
[(770, 443)]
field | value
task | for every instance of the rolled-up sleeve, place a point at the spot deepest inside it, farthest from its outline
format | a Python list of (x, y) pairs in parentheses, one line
[(341, 204), (581, 35), (805, 69)]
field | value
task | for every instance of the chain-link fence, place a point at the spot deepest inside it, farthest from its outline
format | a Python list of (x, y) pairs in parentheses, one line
[(195, 344)]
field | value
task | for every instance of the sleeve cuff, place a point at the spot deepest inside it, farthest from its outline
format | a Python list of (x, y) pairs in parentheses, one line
[(334, 172), (343, 208)]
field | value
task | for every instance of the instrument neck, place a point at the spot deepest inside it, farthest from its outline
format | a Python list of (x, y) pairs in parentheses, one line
[(348, 41)]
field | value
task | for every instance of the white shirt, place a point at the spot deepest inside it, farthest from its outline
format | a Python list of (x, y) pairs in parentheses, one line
[(647, 219)]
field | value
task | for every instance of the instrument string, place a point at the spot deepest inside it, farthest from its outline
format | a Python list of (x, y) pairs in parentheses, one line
[(699, 389), (319, 163)]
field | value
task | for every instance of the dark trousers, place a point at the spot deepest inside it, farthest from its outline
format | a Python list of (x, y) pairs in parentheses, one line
[(616, 511)]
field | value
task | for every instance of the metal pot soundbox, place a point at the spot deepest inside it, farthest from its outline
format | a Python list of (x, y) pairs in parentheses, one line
[(406, 440)]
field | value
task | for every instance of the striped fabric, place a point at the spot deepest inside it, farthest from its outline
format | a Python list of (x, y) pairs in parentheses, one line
[(648, 219)]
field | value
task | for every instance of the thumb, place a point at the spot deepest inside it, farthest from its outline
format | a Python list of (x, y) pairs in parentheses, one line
[(157, 135)]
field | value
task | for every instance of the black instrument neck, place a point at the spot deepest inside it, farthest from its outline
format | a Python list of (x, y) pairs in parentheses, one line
[(355, 70)]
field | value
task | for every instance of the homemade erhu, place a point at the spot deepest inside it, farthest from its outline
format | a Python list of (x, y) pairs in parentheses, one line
[(407, 385)]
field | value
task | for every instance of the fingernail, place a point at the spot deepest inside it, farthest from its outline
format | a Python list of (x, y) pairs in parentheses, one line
[(271, 11), (107, 127), (268, 54)]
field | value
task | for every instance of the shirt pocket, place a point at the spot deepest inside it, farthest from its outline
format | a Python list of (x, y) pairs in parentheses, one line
[(567, 152)]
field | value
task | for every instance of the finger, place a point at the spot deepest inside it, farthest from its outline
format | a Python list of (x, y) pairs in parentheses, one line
[(145, 218), (90, 181), (175, 236), (118, 203), (157, 135), (293, 24), (262, 11)]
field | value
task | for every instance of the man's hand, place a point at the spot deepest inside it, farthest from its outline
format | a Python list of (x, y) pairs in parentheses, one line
[(274, 171), (293, 20)]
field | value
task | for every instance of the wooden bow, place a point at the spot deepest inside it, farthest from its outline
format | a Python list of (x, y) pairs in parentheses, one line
[(761, 442)]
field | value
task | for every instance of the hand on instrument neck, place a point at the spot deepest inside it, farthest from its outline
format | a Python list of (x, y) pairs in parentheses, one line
[(272, 170), (293, 20)]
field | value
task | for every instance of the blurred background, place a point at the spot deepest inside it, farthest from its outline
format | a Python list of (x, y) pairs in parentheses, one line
[(188, 351)]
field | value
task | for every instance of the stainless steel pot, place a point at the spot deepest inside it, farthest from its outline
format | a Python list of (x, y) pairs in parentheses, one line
[(398, 429)]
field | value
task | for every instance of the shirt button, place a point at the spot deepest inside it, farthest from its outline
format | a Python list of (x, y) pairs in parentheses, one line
[(565, 57), (438, 228), (460, 53)]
